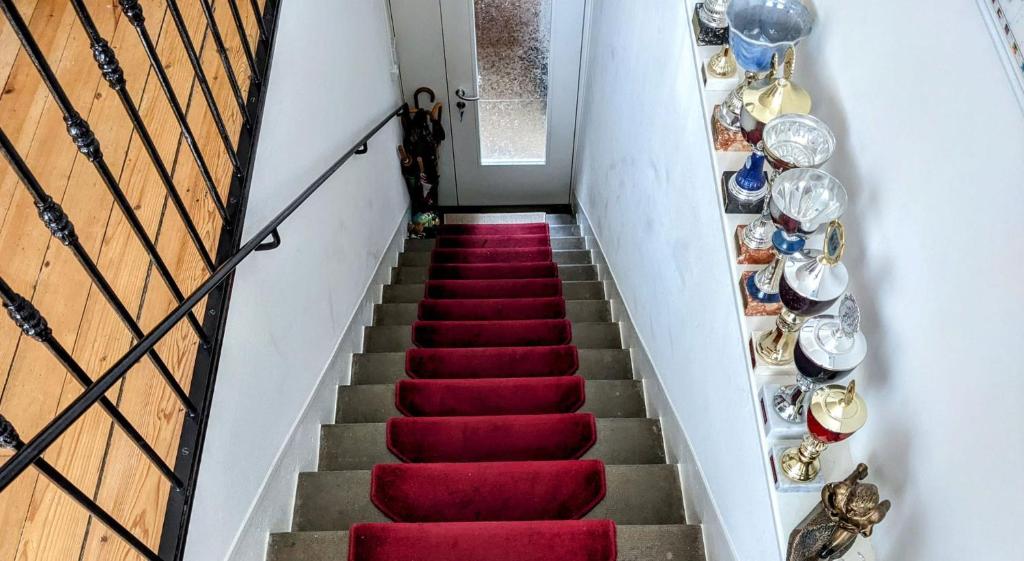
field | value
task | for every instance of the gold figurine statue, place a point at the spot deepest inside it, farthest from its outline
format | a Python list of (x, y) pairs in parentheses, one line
[(848, 508)]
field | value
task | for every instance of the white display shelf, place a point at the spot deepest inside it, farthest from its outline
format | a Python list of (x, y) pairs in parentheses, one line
[(789, 508)]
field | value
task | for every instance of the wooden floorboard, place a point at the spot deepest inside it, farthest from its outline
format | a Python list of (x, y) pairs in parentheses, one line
[(37, 522)]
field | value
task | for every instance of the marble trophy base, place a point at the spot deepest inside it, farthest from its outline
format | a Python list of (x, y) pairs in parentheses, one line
[(736, 206), (726, 139), (775, 427), (707, 35), (786, 485), (753, 307), (747, 256)]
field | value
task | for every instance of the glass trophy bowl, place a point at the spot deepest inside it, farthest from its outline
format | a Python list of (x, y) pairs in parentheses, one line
[(835, 414), (802, 200), (828, 348), (760, 28)]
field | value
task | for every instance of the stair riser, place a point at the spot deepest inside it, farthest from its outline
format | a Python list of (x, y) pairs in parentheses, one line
[(418, 275), (398, 338), (573, 242), (605, 399), (561, 257), (388, 368), (361, 445), (636, 495), (413, 293)]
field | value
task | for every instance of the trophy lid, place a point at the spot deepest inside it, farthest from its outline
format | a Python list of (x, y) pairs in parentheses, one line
[(779, 97), (839, 409), (835, 342), (819, 275)]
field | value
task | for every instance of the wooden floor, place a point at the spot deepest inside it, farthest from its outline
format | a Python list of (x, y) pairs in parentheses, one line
[(37, 522)]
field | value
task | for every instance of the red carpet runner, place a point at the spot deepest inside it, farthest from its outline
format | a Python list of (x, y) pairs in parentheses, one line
[(490, 443)]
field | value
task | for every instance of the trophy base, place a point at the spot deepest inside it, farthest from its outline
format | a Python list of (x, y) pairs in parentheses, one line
[(707, 35), (775, 427), (786, 485), (726, 139), (751, 305), (734, 205), (748, 256)]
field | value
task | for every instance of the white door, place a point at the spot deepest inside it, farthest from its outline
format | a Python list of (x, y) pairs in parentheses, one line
[(514, 65)]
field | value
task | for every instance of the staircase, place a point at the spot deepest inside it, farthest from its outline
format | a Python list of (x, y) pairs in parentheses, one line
[(643, 495)]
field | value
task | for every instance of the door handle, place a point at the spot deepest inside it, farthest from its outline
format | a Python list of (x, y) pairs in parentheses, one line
[(461, 94)]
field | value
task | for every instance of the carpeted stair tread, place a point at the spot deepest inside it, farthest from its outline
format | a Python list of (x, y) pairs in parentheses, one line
[(498, 396), (560, 256), (492, 241), (361, 445), (487, 491), (492, 229), (637, 494), (583, 311), (491, 309), (419, 275), (670, 542), (397, 338), (387, 368), (604, 398), (477, 289), (571, 290), (591, 540), (477, 334), (493, 362), (559, 242), (507, 438)]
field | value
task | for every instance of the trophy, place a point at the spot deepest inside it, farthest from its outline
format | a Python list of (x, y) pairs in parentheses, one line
[(761, 106), (722, 64), (757, 30), (789, 141), (811, 282), (711, 22), (828, 348), (834, 415), (802, 201), (848, 508)]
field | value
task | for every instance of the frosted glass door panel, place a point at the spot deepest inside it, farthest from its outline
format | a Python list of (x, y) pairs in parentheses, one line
[(513, 45)]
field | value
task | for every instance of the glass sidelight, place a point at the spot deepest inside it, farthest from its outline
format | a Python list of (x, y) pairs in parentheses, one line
[(513, 44)]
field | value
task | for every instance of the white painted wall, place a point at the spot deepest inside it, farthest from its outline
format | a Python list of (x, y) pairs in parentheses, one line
[(931, 149), (332, 79), (644, 181)]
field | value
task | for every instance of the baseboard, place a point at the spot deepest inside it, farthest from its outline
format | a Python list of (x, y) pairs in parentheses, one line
[(273, 507), (698, 502)]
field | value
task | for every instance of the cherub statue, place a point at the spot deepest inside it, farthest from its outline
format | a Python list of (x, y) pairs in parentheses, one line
[(848, 508)]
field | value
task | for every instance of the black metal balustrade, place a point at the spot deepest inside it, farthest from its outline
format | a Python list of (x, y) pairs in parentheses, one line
[(215, 290)]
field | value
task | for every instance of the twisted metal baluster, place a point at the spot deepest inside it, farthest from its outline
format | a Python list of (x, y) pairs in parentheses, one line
[(133, 12), (82, 136), (114, 75), (60, 226)]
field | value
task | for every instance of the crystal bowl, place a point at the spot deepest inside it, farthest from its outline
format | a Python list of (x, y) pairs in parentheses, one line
[(798, 141), (805, 199), (760, 28)]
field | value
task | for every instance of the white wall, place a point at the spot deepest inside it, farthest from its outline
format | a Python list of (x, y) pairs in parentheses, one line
[(931, 149), (331, 81), (644, 180)]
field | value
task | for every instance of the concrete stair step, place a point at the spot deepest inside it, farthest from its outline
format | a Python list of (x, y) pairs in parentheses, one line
[(561, 257), (670, 542), (388, 368), (397, 338), (355, 446), (557, 242), (413, 293), (584, 311), (418, 275), (375, 403), (560, 219), (637, 494)]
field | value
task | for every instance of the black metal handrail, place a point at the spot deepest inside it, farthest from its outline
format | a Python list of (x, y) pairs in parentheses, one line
[(30, 453)]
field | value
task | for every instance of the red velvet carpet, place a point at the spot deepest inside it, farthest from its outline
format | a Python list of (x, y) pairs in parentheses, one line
[(490, 441), (516, 333), (496, 396), (509, 362), (487, 491), (576, 540)]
